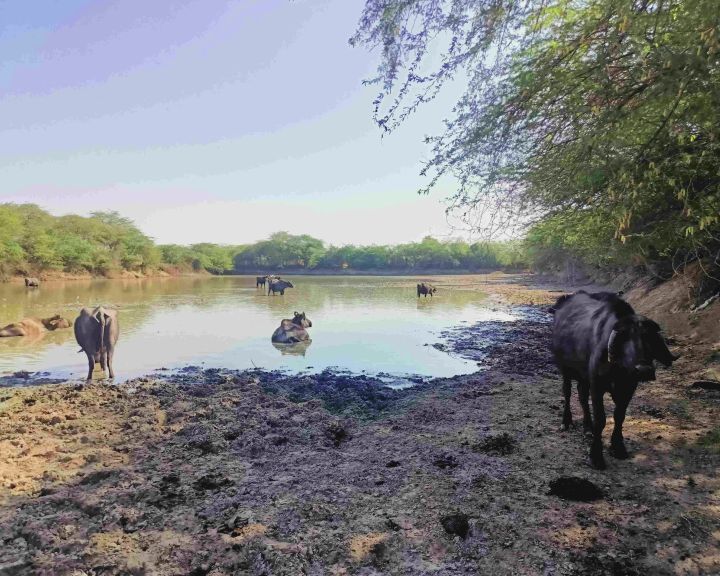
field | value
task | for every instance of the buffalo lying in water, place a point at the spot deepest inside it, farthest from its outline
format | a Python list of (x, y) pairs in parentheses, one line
[(34, 326), (599, 341), (292, 331), (32, 283), (425, 289), (97, 332)]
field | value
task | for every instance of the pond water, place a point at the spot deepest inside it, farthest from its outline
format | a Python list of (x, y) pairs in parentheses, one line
[(371, 324)]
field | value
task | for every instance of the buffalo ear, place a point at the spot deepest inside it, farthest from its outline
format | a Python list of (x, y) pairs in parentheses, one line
[(659, 349), (296, 313), (647, 324)]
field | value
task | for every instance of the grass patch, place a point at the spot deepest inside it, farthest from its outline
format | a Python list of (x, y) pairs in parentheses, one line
[(711, 440), (681, 409)]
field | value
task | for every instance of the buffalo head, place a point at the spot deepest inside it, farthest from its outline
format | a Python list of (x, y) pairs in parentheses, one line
[(300, 319), (634, 343)]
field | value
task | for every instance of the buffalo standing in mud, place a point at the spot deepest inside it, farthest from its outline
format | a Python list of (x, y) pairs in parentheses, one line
[(34, 326), (292, 331), (599, 341), (278, 286), (97, 331), (425, 289)]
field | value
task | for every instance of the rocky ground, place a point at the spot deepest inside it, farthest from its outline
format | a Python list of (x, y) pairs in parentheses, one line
[(220, 472)]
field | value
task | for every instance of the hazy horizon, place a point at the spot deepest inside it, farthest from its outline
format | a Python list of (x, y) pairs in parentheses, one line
[(209, 121)]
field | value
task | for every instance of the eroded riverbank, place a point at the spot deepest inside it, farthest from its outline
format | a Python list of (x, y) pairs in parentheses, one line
[(226, 472)]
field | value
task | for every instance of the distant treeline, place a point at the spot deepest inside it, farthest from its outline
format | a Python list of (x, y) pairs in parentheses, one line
[(286, 251), (33, 241)]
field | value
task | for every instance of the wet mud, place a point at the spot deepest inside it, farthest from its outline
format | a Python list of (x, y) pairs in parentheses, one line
[(214, 472)]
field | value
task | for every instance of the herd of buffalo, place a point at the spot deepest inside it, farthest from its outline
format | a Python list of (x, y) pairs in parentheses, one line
[(597, 340)]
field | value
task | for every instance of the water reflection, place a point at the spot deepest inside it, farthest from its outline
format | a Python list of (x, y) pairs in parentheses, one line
[(361, 323), (296, 349)]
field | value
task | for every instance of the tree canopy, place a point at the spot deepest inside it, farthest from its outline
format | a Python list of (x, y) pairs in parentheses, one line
[(32, 239), (595, 123)]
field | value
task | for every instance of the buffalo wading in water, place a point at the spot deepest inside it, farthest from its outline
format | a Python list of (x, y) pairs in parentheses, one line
[(425, 289), (260, 281), (97, 331), (292, 331), (34, 326), (599, 341), (32, 283), (275, 286)]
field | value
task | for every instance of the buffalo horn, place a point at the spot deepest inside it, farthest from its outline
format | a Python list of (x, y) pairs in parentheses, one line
[(611, 343)]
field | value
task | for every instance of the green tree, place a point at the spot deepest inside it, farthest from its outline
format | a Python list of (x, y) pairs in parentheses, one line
[(573, 109)]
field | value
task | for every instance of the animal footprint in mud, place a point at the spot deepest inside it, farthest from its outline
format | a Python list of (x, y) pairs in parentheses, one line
[(498, 445), (456, 524), (337, 433), (444, 461), (573, 488)]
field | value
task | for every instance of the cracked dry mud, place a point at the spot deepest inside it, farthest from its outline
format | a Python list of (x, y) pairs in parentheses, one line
[(221, 472)]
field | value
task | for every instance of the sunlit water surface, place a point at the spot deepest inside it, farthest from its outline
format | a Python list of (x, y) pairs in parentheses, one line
[(371, 324)]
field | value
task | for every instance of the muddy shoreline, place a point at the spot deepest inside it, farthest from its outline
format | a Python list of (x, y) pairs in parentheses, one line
[(224, 472)]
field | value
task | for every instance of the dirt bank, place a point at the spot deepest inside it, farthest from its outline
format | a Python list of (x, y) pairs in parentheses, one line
[(221, 472), (55, 276)]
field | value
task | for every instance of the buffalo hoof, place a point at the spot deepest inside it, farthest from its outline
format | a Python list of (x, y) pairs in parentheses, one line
[(619, 451), (597, 459), (587, 428), (598, 463)]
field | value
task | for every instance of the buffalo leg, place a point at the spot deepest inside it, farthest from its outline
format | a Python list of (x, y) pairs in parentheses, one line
[(111, 373), (103, 362), (617, 443), (567, 390), (584, 394), (596, 451), (91, 366)]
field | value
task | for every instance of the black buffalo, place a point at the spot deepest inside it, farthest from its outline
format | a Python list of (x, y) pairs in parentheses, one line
[(97, 332), (599, 341), (425, 289)]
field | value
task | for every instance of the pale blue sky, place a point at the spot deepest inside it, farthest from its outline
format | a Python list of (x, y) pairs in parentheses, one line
[(207, 120)]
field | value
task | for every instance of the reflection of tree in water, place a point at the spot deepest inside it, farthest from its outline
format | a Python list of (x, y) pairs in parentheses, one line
[(297, 349)]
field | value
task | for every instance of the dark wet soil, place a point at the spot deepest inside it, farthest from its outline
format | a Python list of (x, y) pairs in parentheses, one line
[(221, 472), (573, 488), (522, 346)]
